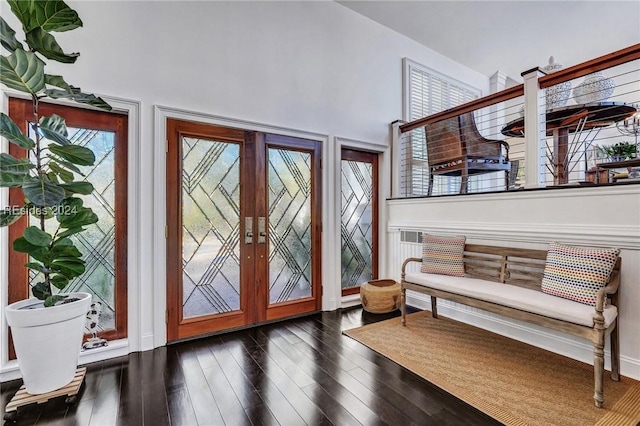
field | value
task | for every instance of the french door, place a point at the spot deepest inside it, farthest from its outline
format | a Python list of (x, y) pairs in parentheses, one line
[(243, 228)]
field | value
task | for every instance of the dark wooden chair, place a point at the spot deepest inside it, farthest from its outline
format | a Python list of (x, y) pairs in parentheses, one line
[(455, 147)]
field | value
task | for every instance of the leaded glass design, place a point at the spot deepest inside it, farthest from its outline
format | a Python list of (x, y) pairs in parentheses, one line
[(210, 227), (97, 243), (289, 225), (356, 227)]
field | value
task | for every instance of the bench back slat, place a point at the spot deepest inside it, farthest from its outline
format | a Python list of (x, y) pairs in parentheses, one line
[(517, 266)]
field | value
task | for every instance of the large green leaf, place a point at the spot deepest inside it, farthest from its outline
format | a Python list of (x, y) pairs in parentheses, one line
[(56, 80), (54, 128), (41, 254), (23, 246), (11, 164), (63, 173), (8, 180), (67, 165), (76, 95), (59, 281), (85, 216), (22, 71), (37, 266), (23, 10), (37, 237), (43, 192), (65, 251), (62, 241), (10, 216), (50, 15), (8, 37), (46, 44), (84, 188), (55, 16), (75, 154), (42, 291), (14, 172), (69, 267), (11, 131)]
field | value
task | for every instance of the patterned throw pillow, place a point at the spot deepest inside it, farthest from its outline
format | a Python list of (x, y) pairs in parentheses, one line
[(443, 255), (577, 273)]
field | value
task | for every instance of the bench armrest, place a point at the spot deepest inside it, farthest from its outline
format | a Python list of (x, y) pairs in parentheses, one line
[(407, 261), (610, 288)]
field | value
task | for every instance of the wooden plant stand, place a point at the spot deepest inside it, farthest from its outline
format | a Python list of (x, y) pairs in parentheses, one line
[(22, 398)]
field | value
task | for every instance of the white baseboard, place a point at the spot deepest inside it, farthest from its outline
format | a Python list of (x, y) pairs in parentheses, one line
[(563, 344), (350, 301), (146, 343)]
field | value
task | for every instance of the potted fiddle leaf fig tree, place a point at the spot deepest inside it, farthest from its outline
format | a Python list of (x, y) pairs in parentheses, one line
[(47, 329)]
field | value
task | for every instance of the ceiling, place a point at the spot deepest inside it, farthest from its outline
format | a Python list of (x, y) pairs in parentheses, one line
[(511, 36)]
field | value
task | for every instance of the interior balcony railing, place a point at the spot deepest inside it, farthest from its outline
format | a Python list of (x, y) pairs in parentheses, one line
[(578, 126)]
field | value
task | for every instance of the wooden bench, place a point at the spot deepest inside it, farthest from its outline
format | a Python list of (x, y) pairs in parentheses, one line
[(521, 271)]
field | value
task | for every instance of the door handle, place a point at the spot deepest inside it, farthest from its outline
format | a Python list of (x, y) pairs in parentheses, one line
[(248, 230), (262, 230)]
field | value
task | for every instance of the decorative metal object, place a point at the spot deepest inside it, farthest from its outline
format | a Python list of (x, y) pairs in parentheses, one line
[(93, 317), (558, 95), (595, 88), (631, 127)]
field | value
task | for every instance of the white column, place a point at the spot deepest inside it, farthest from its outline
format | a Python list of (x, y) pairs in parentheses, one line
[(535, 129), (397, 154)]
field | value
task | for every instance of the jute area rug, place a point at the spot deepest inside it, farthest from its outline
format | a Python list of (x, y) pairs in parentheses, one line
[(513, 382)]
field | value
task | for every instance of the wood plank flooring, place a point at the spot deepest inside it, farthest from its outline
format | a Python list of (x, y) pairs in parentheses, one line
[(296, 372)]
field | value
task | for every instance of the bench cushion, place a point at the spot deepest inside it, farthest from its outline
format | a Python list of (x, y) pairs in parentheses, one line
[(443, 255), (515, 297), (577, 273)]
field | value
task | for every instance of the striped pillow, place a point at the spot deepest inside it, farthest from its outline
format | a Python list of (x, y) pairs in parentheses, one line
[(443, 255), (577, 273)]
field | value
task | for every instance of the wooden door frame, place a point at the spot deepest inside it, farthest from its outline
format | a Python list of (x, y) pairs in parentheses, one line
[(21, 111), (355, 154)]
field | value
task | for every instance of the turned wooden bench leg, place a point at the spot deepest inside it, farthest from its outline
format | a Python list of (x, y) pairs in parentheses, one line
[(434, 307), (403, 305), (598, 364)]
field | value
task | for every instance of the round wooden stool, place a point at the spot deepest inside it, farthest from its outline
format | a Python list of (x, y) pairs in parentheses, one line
[(380, 296)]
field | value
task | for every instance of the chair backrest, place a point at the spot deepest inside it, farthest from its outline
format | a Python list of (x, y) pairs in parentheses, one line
[(477, 145), (444, 142), (457, 138)]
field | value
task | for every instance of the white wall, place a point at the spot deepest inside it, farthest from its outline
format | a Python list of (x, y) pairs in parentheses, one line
[(598, 216), (314, 68)]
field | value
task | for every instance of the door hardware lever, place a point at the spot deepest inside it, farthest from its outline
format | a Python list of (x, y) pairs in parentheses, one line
[(248, 230), (262, 230)]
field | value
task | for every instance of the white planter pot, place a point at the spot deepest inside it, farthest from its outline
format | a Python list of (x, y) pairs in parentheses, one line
[(47, 340)]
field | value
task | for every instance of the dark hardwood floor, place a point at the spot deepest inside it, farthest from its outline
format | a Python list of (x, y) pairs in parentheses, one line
[(296, 372)]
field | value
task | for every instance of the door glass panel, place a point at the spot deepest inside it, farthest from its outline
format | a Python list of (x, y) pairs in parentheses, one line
[(289, 204), (97, 243), (356, 228), (210, 227)]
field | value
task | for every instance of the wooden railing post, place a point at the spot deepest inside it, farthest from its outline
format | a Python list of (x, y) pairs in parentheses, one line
[(535, 133)]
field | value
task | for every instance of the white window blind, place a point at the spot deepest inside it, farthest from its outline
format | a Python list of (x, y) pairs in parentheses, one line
[(426, 92)]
